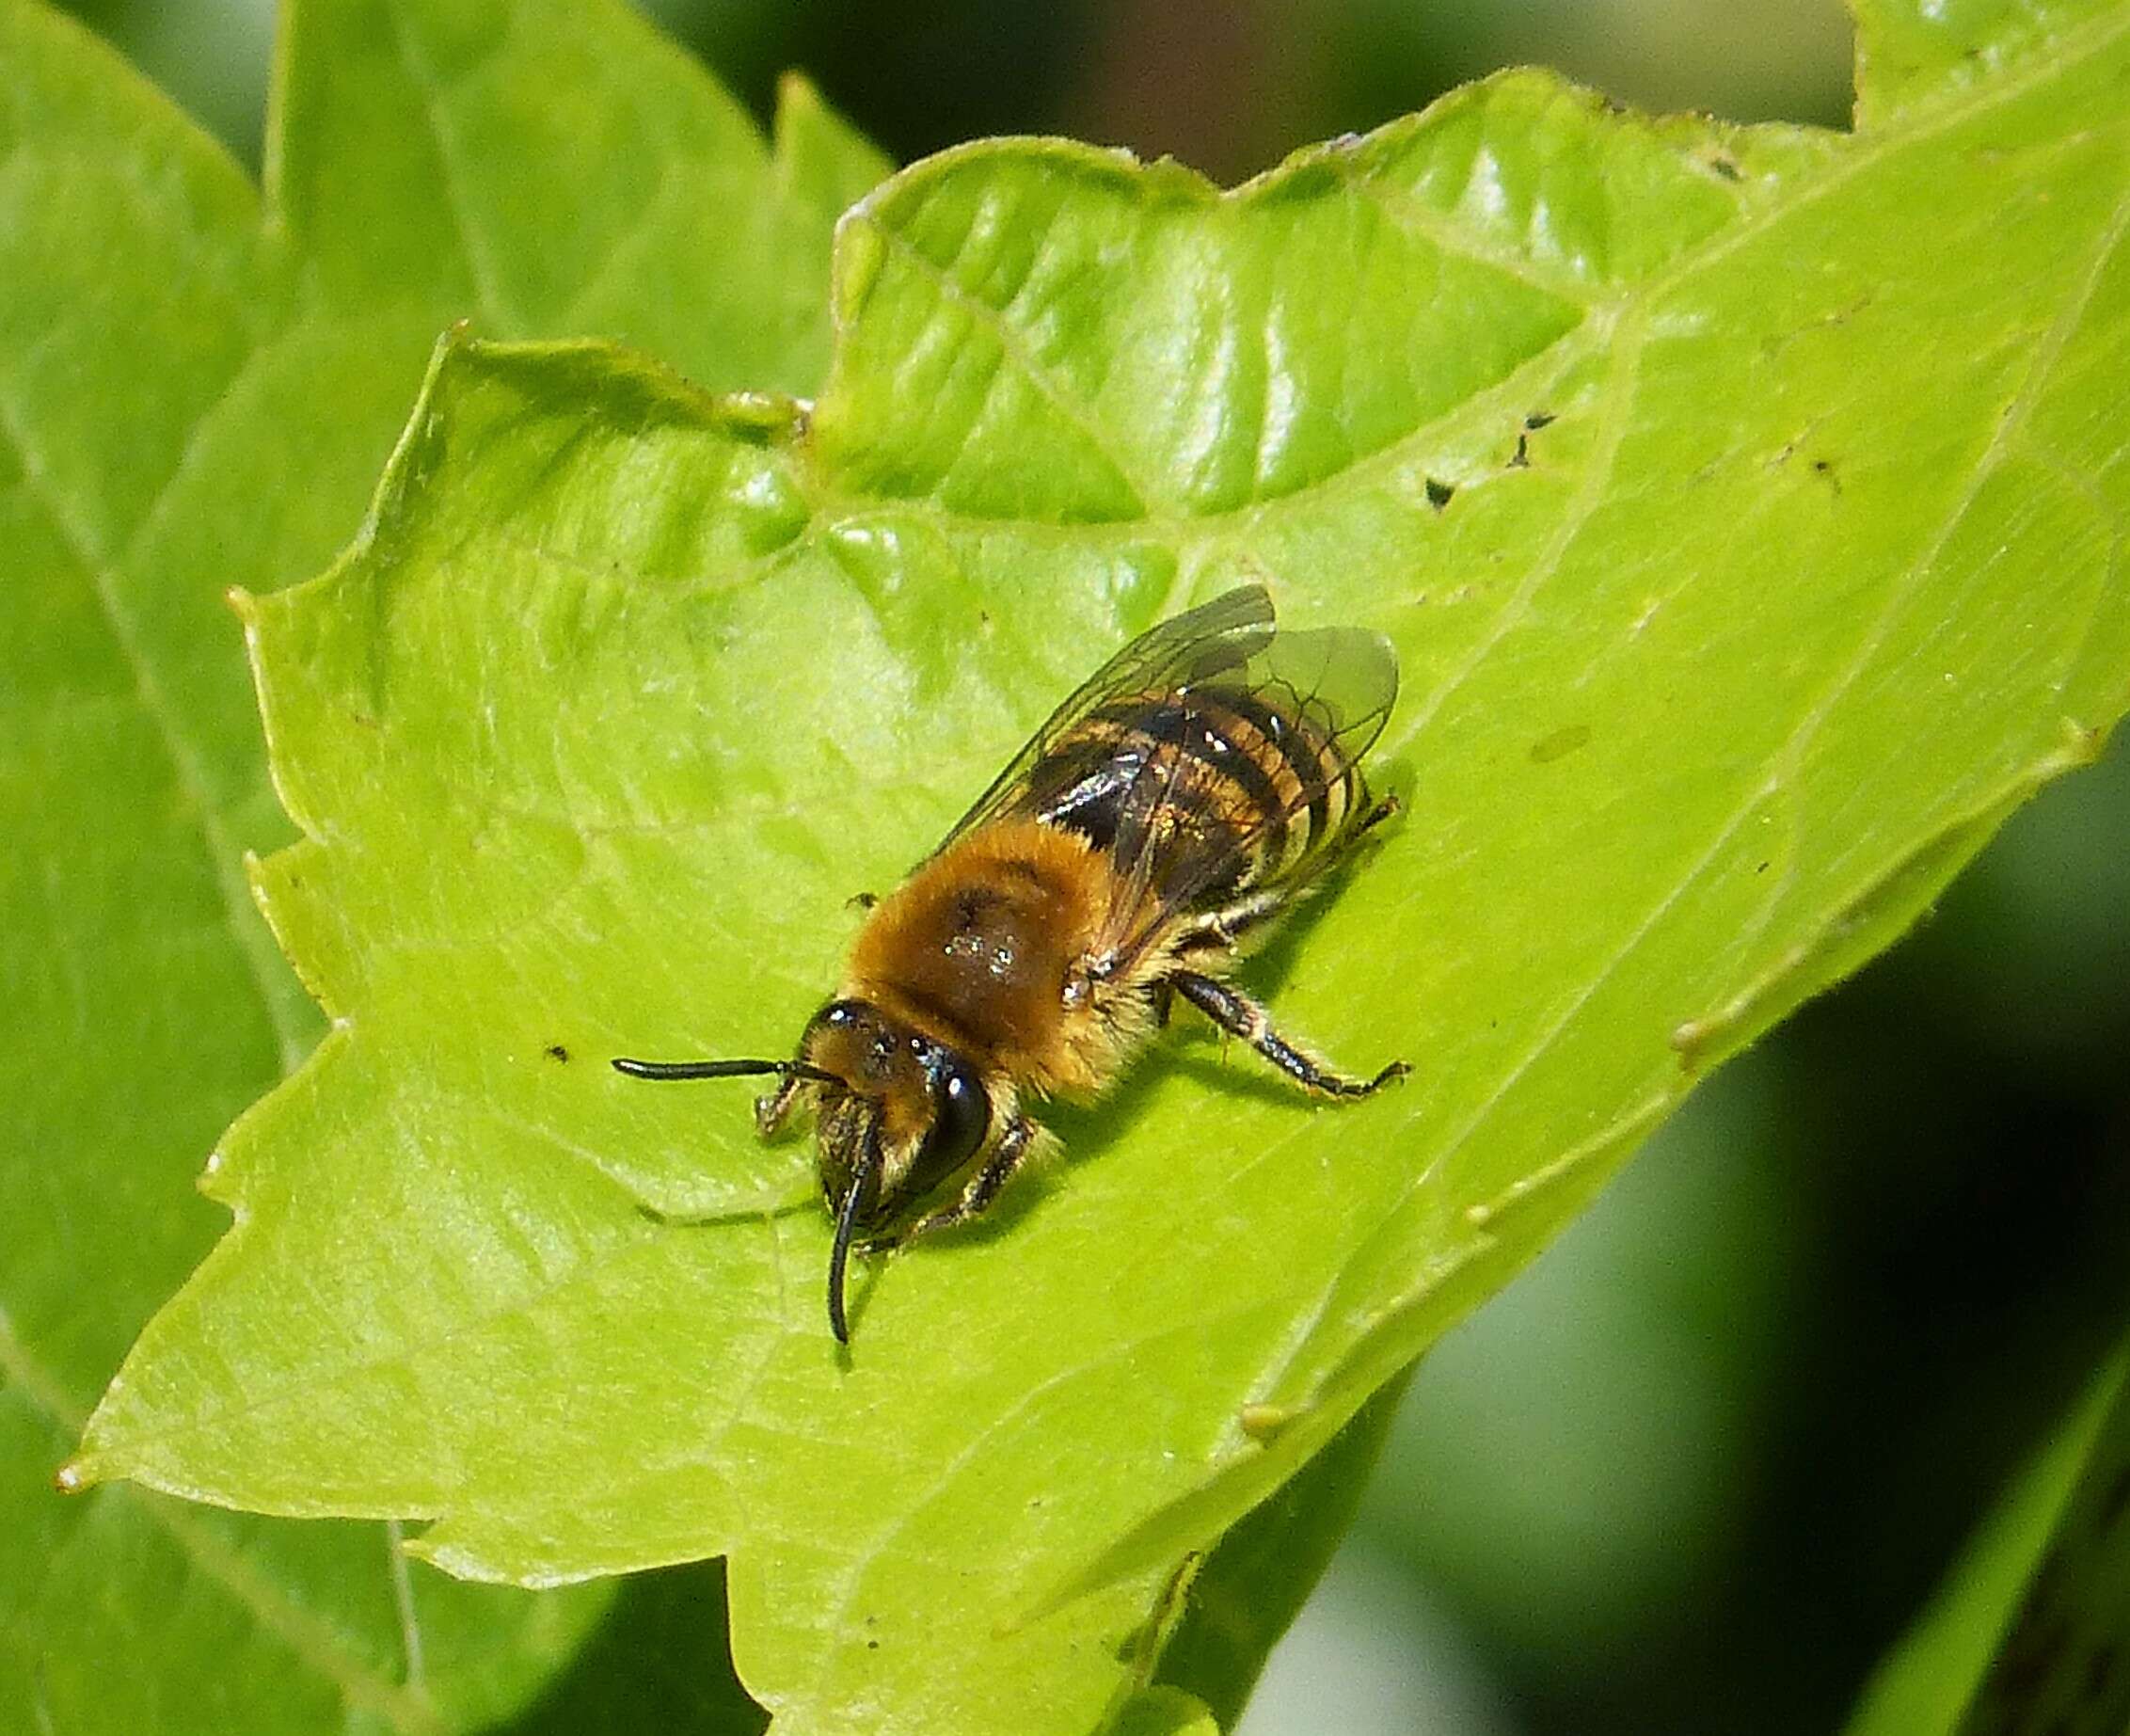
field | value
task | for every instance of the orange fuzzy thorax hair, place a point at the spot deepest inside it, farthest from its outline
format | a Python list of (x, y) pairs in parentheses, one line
[(973, 948)]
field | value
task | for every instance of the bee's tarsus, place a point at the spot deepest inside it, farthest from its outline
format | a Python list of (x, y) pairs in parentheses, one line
[(1238, 1015), (1013, 1145)]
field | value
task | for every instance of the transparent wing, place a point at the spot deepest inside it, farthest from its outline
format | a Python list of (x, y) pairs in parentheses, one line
[(1324, 696), (1214, 640)]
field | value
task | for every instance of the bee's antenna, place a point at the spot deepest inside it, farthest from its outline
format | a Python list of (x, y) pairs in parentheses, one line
[(846, 1221), (720, 1070)]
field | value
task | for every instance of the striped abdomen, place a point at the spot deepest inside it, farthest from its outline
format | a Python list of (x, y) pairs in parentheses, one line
[(1208, 793)]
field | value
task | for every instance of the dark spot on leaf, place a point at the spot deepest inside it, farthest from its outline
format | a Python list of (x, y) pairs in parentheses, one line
[(1825, 468), (862, 901), (1539, 419), (872, 1644), (1761, 870), (2041, 1589), (1438, 493), (2115, 1501), (556, 1052), (1521, 458), (2029, 1656), (1725, 166), (1561, 744)]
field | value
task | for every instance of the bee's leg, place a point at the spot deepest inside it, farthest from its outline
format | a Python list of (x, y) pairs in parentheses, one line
[(1383, 807), (1236, 1013), (1220, 930), (1352, 835), (1013, 1145), (772, 1111)]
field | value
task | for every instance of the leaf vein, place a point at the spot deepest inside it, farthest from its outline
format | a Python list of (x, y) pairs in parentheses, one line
[(487, 295), (1150, 500), (313, 1642), (1416, 217), (2009, 425), (1784, 761), (262, 962), (1864, 151)]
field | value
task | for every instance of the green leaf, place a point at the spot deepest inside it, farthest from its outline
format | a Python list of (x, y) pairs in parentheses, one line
[(1747, 563), (1164, 1712), (1247, 1591), (1977, 1661), (2059, 1666), (197, 388)]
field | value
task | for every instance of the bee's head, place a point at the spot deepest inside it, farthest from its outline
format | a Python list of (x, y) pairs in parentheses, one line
[(902, 1114)]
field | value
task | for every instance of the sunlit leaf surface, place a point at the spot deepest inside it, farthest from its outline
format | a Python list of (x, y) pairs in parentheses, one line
[(198, 386), (1746, 507)]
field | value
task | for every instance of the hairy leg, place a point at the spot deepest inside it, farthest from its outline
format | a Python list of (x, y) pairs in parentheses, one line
[(1237, 1014), (1006, 1156)]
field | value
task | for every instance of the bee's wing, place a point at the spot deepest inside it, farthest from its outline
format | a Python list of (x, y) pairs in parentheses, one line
[(1178, 848), (1214, 640)]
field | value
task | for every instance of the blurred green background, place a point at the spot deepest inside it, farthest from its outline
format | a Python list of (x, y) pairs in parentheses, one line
[(1697, 1468)]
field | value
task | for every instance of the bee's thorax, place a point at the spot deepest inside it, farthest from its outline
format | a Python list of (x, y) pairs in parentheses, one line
[(975, 949)]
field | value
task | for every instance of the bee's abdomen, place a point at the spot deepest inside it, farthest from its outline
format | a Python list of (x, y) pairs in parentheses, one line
[(1227, 774)]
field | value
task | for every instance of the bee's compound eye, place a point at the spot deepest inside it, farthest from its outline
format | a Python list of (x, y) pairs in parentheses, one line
[(961, 1118), (964, 1102)]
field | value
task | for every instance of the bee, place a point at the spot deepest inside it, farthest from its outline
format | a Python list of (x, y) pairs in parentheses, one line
[(1167, 813)]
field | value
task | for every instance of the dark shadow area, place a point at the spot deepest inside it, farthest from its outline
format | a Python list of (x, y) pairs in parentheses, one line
[(661, 1661), (1229, 86), (1952, 1136)]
